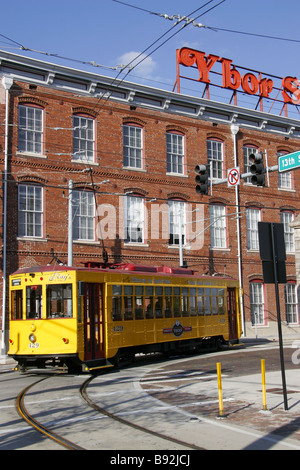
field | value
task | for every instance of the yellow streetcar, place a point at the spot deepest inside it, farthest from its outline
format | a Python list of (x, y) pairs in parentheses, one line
[(95, 317)]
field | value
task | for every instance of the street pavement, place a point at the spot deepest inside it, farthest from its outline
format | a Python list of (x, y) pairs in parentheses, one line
[(244, 424)]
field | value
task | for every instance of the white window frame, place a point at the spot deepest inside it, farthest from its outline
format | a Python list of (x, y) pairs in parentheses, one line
[(30, 211), (133, 146), (134, 219), (30, 139), (176, 216), (286, 218), (83, 215), (175, 153), (257, 304), (285, 179), (253, 216), (291, 303), (218, 227), (83, 139), (215, 155)]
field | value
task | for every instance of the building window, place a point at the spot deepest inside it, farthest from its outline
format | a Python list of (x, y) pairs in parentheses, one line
[(218, 226), (176, 211), (83, 139), (30, 206), (286, 219), (175, 153), (285, 180), (134, 219), (247, 151), (132, 146), (83, 215), (30, 129), (253, 217), (215, 156), (291, 303), (257, 303)]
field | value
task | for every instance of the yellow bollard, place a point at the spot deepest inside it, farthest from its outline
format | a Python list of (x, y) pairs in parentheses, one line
[(264, 392), (220, 392)]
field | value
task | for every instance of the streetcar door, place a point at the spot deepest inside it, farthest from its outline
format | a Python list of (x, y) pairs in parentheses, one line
[(93, 321), (232, 313)]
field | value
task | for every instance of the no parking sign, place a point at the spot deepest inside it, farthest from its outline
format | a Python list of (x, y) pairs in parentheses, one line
[(233, 177)]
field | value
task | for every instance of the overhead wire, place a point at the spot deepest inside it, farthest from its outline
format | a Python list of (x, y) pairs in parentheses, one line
[(151, 45)]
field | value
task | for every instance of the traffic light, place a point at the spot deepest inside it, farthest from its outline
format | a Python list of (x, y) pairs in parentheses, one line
[(202, 179), (257, 169)]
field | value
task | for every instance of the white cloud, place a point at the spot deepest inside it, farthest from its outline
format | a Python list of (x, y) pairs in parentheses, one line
[(146, 65)]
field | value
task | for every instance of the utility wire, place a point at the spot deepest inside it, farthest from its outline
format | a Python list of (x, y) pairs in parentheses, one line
[(153, 43), (214, 28), (50, 54)]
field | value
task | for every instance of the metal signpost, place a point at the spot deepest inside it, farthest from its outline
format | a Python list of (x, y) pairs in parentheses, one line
[(273, 256)]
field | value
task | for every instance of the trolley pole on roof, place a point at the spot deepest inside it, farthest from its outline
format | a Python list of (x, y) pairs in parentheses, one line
[(70, 225)]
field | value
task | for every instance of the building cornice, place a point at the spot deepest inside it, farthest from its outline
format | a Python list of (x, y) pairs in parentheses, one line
[(26, 69)]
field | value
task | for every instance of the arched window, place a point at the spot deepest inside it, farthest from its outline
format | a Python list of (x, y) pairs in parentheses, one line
[(286, 218), (177, 221), (30, 129), (132, 145), (84, 215), (30, 210), (134, 218), (291, 303), (215, 156), (175, 152), (83, 138), (247, 151), (285, 179), (253, 216), (218, 227), (257, 305)]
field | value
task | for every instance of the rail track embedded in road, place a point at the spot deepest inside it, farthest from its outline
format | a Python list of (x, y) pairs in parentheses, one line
[(83, 391), (37, 425)]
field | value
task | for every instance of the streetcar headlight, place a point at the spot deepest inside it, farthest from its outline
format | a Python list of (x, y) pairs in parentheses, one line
[(32, 338)]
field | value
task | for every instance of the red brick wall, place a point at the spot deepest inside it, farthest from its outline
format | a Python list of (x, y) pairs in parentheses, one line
[(55, 171)]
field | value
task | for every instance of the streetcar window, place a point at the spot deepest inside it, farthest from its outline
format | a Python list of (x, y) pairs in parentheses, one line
[(59, 301), (221, 302), (185, 302), (168, 303), (117, 290), (158, 302), (176, 301), (116, 307), (168, 306), (200, 301), (128, 302), (139, 303), (193, 310), (17, 305), (149, 302), (34, 302), (214, 301), (207, 301)]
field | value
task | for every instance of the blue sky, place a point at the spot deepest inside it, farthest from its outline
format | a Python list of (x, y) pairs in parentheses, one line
[(111, 33)]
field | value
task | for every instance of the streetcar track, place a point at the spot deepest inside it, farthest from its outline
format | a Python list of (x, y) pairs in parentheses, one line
[(37, 425), (87, 399)]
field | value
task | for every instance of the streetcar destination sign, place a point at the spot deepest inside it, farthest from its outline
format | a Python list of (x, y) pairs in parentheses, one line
[(288, 162)]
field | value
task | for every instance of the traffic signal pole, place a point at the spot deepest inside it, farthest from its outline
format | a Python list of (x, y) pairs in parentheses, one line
[(244, 175)]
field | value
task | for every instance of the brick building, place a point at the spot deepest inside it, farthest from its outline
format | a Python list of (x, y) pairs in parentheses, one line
[(122, 156)]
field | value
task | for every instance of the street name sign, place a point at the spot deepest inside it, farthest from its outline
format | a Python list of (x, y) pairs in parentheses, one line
[(289, 162)]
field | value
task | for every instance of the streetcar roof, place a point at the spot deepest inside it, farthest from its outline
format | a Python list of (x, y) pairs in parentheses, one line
[(122, 268)]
